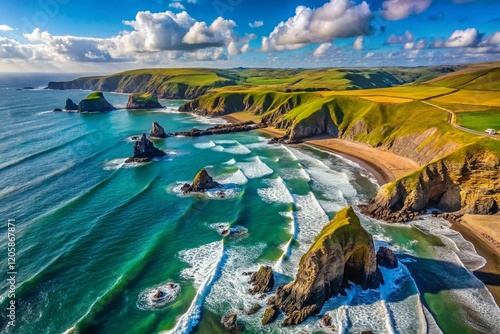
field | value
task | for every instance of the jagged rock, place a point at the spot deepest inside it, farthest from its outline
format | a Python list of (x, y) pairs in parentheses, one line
[(254, 309), (145, 151), (219, 129), (326, 321), (270, 314), (230, 322), (201, 182), (95, 102), (386, 258), (343, 251), (57, 110), (157, 131), (262, 280), (70, 105), (144, 101)]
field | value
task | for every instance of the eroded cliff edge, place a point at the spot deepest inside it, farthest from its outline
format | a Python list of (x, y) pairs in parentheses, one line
[(459, 171)]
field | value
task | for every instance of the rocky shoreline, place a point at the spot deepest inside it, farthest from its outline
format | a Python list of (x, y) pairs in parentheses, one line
[(219, 129)]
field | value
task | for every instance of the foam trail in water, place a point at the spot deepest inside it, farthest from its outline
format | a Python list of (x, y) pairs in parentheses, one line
[(277, 192), (238, 149), (278, 266), (205, 265), (210, 144), (229, 162), (255, 168), (235, 178)]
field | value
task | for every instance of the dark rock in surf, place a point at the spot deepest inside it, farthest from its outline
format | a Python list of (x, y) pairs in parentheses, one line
[(201, 182), (70, 105), (157, 131), (386, 258), (145, 151), (230, 323), (262, 280)]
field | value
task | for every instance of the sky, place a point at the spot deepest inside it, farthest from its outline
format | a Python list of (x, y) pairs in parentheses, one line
[(104, 36)]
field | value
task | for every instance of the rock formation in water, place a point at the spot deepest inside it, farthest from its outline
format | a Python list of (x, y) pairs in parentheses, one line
[(201, 182), (219, 129), (342, 252), (157, 131), (230, 323), (254, 309), (386, 258), (70, 105), (57, 110), (95, 102), (270, 314), (145, 151), (143, 101), (262, 280)]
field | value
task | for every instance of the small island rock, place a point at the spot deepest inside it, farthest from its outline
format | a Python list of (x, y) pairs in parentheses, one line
[(70, 105), (145, 151), (157, 131), (95, 102), (144, 101), (386, 258), (201, 182)]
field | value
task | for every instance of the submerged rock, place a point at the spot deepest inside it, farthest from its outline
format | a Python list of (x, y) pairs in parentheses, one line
[(230, 322), (262, 280), (145, 151), (57, 110), (144, 101), (157, 131), (201, 182), (254, 309), (70, 105), (386, 258), (95, 102), (343, 251)]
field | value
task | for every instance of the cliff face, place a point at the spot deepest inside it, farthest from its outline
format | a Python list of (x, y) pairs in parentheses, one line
[(343, 251), (467, 181)]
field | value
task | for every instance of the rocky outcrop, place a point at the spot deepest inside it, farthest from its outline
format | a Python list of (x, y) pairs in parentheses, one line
[(262, 280), (201, 182), (57, 110), (157, 131), (386, 258), (145, 151), (270, 315), (230, 323), (466, 181), (95, 102), (144, 101), (343, 251), (219, 129), (70, 105), (254, 309)]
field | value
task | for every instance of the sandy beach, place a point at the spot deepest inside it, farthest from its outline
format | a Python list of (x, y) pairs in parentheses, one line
[(482, 231)]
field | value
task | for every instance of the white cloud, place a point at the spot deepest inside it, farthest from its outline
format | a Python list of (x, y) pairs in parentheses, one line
[(394, 10), (358, 43), (400, 39), (177, 5), (219, 33), (4, 27), (256, 24), (459, 39), (337, 18), (418, 45), (234, 49), (322, 49), (493, 39)]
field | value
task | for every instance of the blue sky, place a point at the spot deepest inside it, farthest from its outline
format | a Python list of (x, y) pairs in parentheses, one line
[(107, 36)]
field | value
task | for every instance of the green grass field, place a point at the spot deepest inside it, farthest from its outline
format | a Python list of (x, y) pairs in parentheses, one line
[(480, 121)]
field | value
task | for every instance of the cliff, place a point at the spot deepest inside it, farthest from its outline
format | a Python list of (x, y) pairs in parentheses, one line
[(95, 102), (342, 252), (143, 101), (466, 180)]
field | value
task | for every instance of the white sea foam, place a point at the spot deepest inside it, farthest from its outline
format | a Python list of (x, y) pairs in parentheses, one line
[(238, 149), (255, 168), (235, 178), (225, 142), (287, 247), (120, 163), (226, 229), (44, 112), (229, 162), (202, 146), (205, 264), (218, 148), (277, 192), (147, 301)]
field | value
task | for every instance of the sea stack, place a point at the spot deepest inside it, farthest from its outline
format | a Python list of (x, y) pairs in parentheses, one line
[(70, 105), (201, 182), (144, 101), (157, 131), (342, 252), (95, 102), (145, 151)]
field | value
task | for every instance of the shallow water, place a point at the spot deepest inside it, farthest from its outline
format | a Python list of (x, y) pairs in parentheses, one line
[(94, 234)]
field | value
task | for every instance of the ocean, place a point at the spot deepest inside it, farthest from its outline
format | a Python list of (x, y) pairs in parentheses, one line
[(95, 237)]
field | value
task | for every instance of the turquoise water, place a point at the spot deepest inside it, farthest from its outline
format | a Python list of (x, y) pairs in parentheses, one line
[(94, 234)]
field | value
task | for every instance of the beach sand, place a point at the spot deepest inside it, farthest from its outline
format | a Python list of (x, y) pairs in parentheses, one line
[(480, 230)]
